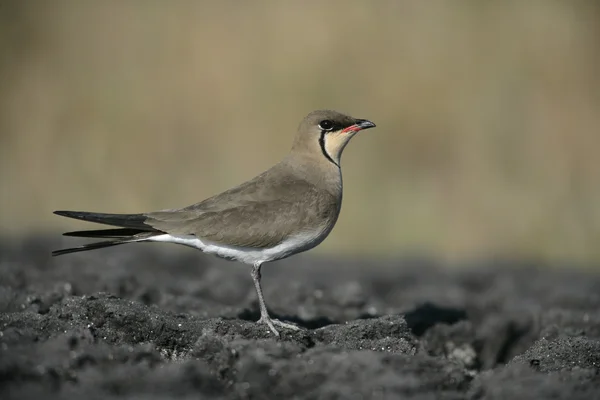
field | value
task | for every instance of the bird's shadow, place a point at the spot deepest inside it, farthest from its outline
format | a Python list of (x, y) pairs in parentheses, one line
[(426, 315), (419, 319)]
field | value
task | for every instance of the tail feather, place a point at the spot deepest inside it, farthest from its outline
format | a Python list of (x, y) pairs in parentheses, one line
[(136, 221), (90, 246), (132, 229)]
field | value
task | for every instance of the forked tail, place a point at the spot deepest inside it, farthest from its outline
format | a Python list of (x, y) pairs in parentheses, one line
[(133, 229)]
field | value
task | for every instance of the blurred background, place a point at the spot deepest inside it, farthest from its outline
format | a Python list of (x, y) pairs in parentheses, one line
[(487, 113)]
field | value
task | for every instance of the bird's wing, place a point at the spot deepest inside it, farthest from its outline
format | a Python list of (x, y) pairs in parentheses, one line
[(252, 217)]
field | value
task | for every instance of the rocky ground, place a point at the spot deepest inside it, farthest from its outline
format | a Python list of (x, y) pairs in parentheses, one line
[(155, 322)]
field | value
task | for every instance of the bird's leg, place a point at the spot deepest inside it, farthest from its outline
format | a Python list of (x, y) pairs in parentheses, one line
[(264, 314)]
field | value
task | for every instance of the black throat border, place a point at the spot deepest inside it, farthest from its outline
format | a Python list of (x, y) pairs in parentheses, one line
[(324, 150)]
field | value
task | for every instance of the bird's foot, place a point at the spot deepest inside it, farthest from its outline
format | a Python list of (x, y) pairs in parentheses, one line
[(272, 323), (285, 325)]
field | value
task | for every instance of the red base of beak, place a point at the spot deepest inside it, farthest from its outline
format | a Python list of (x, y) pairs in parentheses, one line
[(351, 128), (359, 126)]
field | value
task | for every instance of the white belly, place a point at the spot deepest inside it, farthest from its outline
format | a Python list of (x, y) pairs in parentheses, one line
[(247, 255)]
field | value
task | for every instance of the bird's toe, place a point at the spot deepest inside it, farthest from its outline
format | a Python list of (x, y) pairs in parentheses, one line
[(270, 324), (285, 325)]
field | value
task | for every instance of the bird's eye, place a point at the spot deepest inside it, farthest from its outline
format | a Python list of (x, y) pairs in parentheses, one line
[(326, 125)]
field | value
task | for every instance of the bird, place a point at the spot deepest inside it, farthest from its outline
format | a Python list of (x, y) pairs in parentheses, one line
[(289, 208)]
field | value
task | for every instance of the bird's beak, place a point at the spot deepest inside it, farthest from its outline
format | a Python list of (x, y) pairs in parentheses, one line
[(359, 126)]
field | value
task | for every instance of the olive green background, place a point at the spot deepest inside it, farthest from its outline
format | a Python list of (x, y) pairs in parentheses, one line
[(488, 115)]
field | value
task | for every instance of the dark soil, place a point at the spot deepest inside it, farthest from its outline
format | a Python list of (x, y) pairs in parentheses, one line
[(159, 321)]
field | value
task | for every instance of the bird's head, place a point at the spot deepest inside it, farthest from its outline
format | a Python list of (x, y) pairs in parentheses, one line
[(326, 133)]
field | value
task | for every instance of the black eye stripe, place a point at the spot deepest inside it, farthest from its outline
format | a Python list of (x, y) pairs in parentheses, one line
[(328, 125)]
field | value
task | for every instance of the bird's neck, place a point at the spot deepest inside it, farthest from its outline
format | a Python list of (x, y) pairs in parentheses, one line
[(324, 174)]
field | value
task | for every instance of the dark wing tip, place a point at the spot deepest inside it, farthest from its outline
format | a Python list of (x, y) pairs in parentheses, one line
[(136, 221), (70, 214), (110, 233)]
